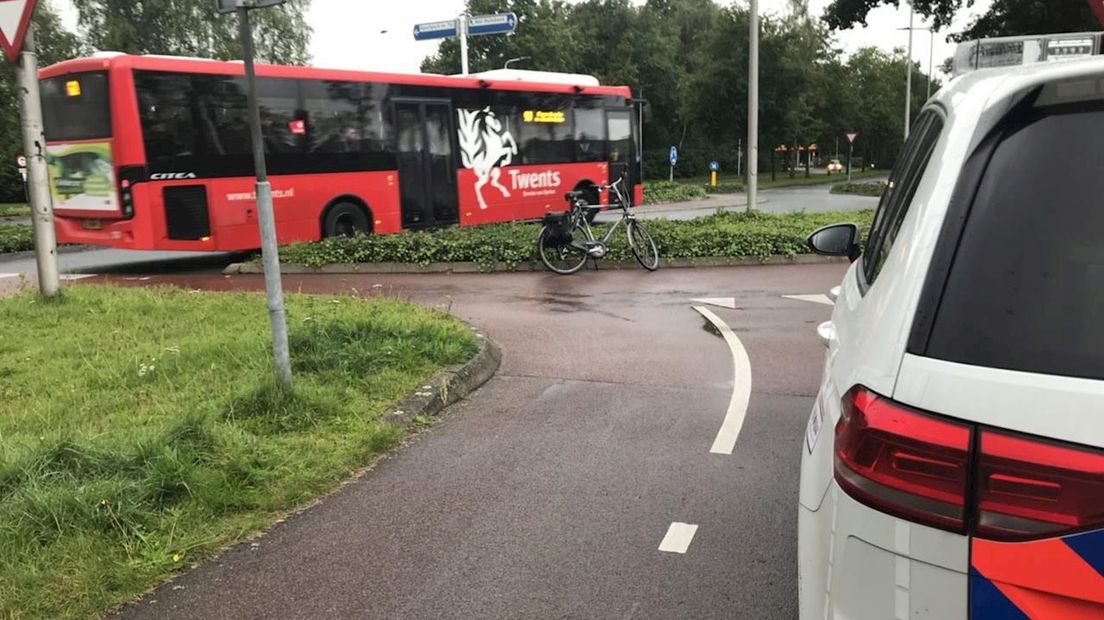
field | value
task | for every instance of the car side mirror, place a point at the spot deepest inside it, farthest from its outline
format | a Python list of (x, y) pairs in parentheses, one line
[(836, 240)]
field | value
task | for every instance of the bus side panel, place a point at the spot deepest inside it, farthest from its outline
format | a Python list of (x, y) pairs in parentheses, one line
[(523, 192), (298, 201)]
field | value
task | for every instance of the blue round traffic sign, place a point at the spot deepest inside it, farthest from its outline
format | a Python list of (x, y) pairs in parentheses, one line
[(673, 156), (714, 166)]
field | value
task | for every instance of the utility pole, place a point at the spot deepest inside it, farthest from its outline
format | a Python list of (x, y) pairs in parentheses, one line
[(908, 74), (38, 189), (463, 32), (753, 106), (739, 156), (270, 256)]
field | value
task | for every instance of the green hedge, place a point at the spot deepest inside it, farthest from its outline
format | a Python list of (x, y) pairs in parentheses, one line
[(727, 235), (16, 238), (725, 187), (671, 191), (861, 189)]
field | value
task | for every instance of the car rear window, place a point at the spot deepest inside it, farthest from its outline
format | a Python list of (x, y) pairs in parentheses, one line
[(75, 107), (1026, 287)]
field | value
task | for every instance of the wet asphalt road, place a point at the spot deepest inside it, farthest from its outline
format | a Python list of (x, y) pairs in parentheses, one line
[(547, 492)]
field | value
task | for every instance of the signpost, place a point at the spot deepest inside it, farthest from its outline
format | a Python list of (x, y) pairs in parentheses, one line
[(463, 27), (713, 168), (436, 30), (672, 156), (499, 23), (850, 149), (274, 290), (17, 39)]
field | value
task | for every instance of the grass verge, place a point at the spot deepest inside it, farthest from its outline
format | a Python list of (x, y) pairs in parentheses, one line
[(141, 430), (14, 209), (734, 234), (860, 189), (16, 238)]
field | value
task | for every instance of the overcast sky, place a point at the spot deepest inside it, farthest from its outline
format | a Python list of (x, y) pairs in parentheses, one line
[(362, 34)]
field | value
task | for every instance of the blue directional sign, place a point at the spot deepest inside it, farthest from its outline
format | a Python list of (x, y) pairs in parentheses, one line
[(492, 24), (673, 156), (714, 166), (436, 30)]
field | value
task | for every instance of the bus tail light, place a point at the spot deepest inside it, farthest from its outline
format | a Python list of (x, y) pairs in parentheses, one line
[(1032, 488), (930, 470), (903, 462), (128, 177)]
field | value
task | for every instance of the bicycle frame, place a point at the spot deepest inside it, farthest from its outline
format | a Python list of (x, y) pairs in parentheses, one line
[(626, 216)]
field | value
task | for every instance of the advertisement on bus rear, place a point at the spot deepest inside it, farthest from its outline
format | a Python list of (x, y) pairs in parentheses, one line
[(82, 177)]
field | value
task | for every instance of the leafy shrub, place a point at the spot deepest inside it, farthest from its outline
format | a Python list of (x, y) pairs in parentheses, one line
[(725, 187), (754, 234), (668, 191), (16, 238), (862, 189)]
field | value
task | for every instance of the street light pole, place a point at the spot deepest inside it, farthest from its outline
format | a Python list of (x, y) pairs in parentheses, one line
[(753, 106), (931, 58), (462, 24), (908, 74), (274, 291), (518, 59)]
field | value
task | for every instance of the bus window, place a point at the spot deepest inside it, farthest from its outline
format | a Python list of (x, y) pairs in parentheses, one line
[(332, 107), (590, 132), (223, 115), (75, 107), (280, 124), (546, 131), (165, 111)]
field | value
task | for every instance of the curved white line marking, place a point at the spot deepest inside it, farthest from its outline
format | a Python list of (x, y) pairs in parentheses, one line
[(725, 442), (813, 299)]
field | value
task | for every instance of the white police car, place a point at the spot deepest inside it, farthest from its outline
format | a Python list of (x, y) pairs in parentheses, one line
[(954, 460)]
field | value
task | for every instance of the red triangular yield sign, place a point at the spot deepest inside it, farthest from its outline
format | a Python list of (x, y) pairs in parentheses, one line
[(851, 137), (15, 16)]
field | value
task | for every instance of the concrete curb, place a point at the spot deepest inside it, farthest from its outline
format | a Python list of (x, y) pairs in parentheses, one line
[(467, 267), (448, 386)]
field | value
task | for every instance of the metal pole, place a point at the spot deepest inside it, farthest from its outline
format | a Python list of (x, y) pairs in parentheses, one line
[(274, 292), (850, 151), (739, 156), (908, 75), (753, 106), (931, 59), (463, 43), (34, 146)]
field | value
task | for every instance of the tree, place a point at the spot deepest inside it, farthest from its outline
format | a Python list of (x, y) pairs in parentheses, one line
[(194, 28), (843, 14), (1015, 17), (53, 44)]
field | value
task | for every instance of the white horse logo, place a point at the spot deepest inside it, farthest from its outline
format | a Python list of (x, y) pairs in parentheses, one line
[(485, 146)]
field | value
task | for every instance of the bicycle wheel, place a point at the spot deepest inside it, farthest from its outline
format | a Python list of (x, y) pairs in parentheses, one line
[(643, 247), (564, 259)]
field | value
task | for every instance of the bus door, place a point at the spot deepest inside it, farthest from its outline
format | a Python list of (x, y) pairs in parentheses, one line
[(426, 162), (622, 147)]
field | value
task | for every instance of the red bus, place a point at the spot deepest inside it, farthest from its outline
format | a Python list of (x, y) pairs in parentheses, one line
[(151, 152)]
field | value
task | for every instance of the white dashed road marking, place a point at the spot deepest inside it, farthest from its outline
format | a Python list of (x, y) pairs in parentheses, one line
[(9, 275), (724, 302), (76, 276), (725, 442), (813, 299), (678, 537)]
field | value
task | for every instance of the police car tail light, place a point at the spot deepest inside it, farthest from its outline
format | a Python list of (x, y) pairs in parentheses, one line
[(903, 462), (1032, 488)]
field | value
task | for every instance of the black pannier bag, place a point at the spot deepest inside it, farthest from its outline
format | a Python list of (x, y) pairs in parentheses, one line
[(559, 227)]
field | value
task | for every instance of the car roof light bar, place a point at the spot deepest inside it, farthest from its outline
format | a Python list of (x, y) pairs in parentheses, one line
[(1014, 51)]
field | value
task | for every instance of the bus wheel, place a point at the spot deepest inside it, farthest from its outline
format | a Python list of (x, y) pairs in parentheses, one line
[(345, 219)]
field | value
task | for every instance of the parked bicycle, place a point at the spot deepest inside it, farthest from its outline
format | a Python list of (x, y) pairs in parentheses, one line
[(566, 241)]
